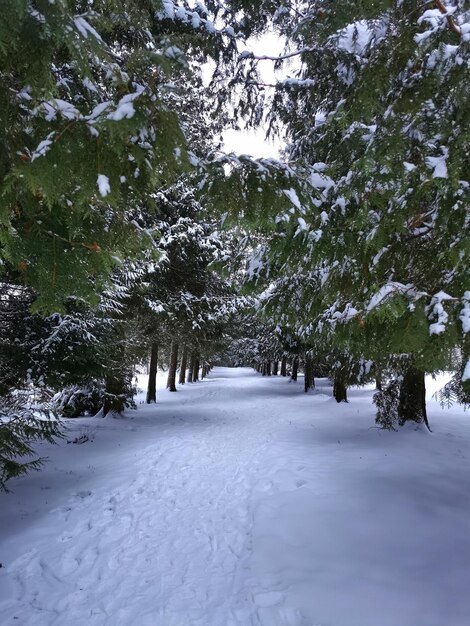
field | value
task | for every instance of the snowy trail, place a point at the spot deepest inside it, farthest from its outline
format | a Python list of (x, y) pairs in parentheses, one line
[(172, 537), (241, 501)]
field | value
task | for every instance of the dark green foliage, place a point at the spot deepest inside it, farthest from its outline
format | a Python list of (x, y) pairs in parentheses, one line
[(91, 122), (371, 261), (21, 427), (78, 400), (387, 401)]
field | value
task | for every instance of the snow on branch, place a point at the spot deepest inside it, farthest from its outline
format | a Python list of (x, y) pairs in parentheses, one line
[(391, 289)]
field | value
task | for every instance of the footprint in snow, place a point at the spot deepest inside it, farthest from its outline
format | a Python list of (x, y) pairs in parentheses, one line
[(268, 598), (82, 495)]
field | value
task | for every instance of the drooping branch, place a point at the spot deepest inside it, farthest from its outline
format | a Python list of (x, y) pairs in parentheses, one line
[(281, 57), (450, 20)]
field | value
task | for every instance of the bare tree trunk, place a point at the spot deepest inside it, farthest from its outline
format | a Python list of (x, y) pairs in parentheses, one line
[(412, 405), (115, 394), (378, 380), (117, 387), (284, 366), (196, 369), (275, 367), (183, 366), (340, 390), (189, 377), (309, 381), (268, 368), (295, 368), (171, 382), (152, 384)]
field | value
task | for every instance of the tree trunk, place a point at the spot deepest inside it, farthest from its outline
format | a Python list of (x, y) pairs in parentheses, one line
[(378, 379), (152, 384), (284, 366), (268, 368), (295, 368), (412, 405), (171, 382), (196, 369), (309, 381), (275, 367), (340, 390), (117, 388), (183, 366), (115, 393), (189, 377)]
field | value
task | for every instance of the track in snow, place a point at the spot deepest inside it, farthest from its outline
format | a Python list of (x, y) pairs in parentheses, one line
[(241, 501), (169, 546)]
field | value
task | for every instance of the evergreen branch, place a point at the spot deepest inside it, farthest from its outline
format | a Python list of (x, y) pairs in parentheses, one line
[(89, 246), (281, 57), (450, 20)]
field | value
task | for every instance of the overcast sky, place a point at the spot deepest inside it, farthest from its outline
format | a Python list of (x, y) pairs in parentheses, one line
[(254, 142)]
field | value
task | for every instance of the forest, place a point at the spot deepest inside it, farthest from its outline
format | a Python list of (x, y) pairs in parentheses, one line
[(129, 237), (132, 242)]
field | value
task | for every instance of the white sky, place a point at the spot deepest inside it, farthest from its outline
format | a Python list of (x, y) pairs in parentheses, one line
[(253, 142)]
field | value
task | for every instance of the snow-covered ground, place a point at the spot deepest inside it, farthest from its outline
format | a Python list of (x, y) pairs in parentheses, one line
[(242, 501)]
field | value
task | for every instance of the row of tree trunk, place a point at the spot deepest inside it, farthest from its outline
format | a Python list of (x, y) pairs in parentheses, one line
[(412, 405), (271, 368), (189, 369)]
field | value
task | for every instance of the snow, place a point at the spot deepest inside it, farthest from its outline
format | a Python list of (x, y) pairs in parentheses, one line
[(293, 197), (103, 185), (321, 181), (465, 313), (355, 37), (388, 290), (439, 164), (85, 28), (43, 147), (466, 371), (64, 108), (242, 501), (437, 310), (125, 106)]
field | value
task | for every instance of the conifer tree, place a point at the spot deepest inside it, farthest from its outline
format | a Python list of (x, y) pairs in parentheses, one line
[(375, 265)]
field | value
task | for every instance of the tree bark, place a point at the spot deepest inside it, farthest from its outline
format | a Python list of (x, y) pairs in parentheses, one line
[(171, 382), (284, 366), (152, 384), (115, 393), (189, 377), (295, 368), (309, 381), (275, 367), (183, 366), (340, 390), (196, 369), (117, 387), (412, 404), (378, 379)]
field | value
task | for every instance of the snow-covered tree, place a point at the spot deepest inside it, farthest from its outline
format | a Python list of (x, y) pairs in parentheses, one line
[(377, 110), (90, 123)]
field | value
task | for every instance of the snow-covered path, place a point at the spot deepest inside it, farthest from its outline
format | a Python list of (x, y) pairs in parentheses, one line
[(241, 501)]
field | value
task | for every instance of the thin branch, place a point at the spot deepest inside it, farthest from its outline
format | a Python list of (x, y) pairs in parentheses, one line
[(282, 57), (450, 20)]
